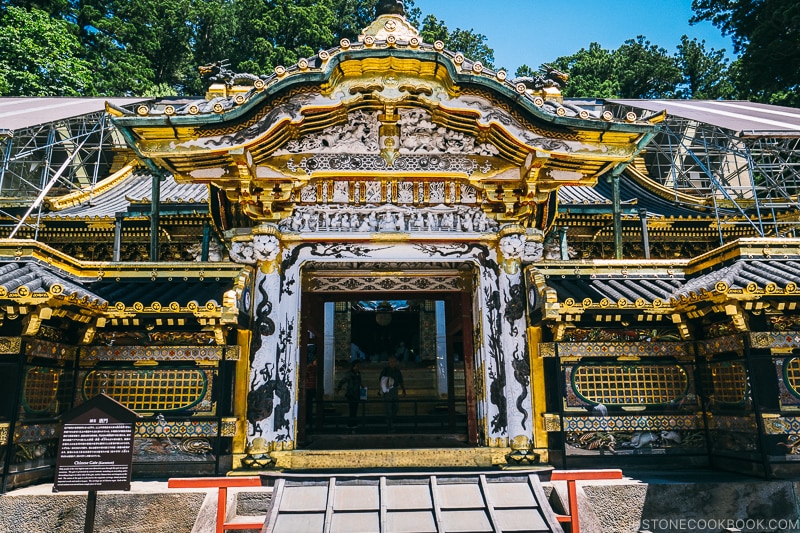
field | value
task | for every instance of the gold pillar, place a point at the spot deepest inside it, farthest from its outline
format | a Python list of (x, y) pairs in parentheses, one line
[(538, 398), (241, 388)]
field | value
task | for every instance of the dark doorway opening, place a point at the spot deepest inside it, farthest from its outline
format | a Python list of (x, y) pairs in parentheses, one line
[(425, 333)]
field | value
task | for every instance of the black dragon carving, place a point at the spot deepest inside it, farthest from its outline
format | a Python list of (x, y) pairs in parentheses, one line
[(264, 326), (261, 400), (219, 72), (515, 307), (283, 386), (522, 373), (498, 374)]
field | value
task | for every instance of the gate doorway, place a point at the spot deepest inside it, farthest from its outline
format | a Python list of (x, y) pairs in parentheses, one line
[(429, 335)]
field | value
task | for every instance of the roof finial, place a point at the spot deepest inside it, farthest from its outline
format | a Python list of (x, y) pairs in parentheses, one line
[(390, 7)]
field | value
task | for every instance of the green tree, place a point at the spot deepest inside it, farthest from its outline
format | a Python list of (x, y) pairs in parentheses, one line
[(592, 73), (279, 32), (40, 56), (645, 70), (705, 73), (472, 45), (136, 44), (766, 34), (524, 71)]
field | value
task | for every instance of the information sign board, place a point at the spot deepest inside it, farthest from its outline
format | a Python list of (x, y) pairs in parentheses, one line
[(95, 450)]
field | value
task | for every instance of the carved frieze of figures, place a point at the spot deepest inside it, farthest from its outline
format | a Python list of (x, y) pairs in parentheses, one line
[(386, 218), (418, 134), (358, 135), (261, 248)]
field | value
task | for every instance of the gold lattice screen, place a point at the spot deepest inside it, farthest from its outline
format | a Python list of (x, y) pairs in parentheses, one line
[(729, 380), (41, 389), (630, 384), (151, 390)]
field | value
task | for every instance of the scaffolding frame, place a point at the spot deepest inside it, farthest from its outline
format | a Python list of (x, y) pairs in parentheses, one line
[(58, 157), (754, 175)]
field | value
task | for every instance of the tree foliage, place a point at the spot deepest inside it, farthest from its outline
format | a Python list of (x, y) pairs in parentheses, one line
[(472, 45), (705, 73), (152, 47), (767, 35), (40, 56), (146, 47), (640, 69), (592, 73)]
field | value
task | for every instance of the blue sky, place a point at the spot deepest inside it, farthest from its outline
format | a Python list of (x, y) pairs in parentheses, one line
[(535, 32)]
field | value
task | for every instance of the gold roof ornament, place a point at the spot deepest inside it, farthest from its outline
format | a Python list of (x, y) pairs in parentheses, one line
[(390, 25), (387, 120)]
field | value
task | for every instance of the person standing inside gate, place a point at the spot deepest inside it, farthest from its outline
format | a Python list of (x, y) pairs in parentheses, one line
[(391, 381), (352, 393)]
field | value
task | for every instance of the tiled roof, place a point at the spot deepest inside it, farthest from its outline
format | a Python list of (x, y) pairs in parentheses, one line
[(135, 189), (616, 287), (744, 273), (34, 278)]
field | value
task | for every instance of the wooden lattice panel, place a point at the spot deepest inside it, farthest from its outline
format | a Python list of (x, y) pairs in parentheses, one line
[(149, 390), (41, 389), (730, 381), (630, 384)]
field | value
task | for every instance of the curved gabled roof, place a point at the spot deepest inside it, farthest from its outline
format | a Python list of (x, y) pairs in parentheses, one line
[(133, 187)]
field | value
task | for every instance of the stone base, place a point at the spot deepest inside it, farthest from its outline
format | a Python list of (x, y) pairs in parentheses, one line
[(148, 508)]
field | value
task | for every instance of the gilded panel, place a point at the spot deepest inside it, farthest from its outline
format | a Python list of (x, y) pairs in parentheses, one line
[(732, 423), (35, 432), (4, 429), (152, 353), (726, 382), (625, 349), (45, 391), (731, 343), (180, 429), (784, 339), (50, 350), (782, 425), (10, 345), (642, 385), (232, 353), (632, 422), (230, 427), (319, 282)]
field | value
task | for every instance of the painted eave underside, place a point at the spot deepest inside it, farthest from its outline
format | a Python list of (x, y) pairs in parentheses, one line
[(745, 270), (32, 273)]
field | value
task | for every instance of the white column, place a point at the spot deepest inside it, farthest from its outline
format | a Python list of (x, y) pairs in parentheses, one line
[(441, 348), (515, 354), (329, 352)]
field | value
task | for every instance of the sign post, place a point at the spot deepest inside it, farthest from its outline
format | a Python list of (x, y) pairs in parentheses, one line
[(95, 451)]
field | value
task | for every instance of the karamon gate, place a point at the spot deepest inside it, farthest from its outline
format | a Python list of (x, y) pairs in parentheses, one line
[(385, 169)]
